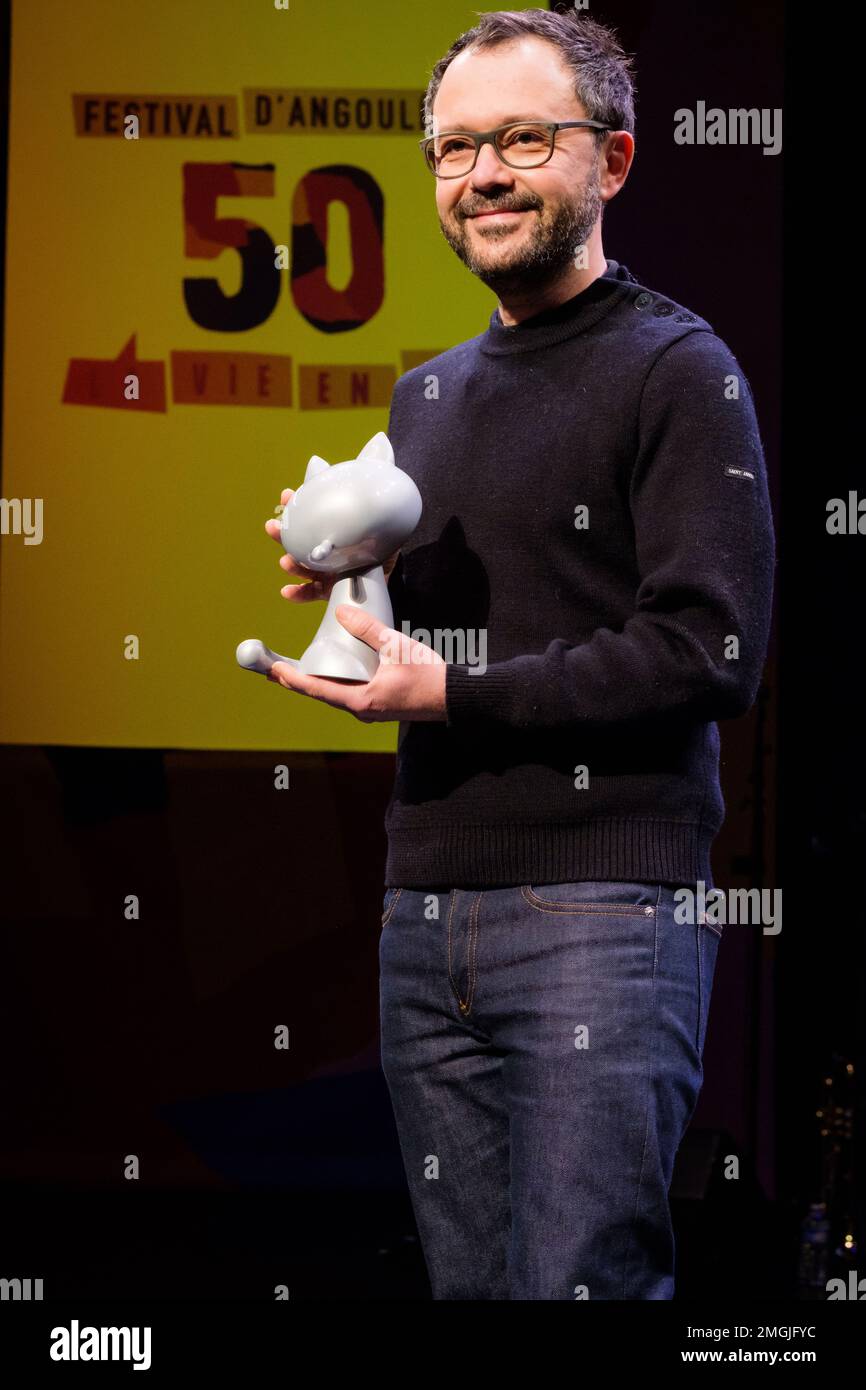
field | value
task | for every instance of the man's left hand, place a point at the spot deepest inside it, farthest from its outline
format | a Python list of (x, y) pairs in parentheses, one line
[(409, 684)]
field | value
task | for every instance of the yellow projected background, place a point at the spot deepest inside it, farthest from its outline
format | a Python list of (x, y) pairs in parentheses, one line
[(164, 379)]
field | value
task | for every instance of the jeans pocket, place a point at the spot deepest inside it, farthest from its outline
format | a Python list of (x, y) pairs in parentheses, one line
[(590, 897), (389, 902)]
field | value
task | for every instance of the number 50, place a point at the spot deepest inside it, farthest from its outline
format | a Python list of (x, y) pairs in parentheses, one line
[(207, 236)]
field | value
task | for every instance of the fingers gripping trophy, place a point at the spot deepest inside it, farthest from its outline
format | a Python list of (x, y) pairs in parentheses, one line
[(344, 523)]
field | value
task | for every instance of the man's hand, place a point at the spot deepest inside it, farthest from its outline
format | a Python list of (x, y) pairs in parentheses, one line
[(409, 684)]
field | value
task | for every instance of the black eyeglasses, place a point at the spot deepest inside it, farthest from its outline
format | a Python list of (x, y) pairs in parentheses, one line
[(526, 145)]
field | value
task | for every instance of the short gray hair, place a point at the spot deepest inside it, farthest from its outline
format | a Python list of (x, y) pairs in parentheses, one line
[(602, 70)]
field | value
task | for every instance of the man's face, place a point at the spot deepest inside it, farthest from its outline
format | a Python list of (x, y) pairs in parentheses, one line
[(516, 227)]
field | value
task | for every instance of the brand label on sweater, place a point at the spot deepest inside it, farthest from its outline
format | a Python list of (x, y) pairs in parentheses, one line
[(740, 473)]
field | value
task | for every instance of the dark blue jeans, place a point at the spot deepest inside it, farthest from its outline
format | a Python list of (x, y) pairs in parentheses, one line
[(542, 1047)]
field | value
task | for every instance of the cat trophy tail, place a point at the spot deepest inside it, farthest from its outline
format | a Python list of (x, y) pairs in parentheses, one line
[(253, 655)]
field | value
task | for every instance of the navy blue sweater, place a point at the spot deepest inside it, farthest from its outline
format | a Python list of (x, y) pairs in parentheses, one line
[(597, 523)]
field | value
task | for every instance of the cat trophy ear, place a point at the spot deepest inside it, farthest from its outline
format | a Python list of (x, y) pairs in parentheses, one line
[(379, 447), (316, 465)]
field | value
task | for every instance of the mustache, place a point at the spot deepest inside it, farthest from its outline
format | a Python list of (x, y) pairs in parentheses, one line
[(498, 207)]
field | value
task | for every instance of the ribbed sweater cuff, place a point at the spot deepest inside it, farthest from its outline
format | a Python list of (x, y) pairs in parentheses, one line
[(473, 696)]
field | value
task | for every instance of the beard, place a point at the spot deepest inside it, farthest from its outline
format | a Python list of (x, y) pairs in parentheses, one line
[(537, 258)]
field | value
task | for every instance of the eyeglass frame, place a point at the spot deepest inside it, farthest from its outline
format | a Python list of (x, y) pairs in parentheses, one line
[(487, 137)]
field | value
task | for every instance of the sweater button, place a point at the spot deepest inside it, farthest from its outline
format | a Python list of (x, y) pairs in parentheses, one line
[(643, 300), (662, 310)]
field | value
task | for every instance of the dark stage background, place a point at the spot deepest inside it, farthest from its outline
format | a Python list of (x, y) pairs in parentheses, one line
[(261, 1167)]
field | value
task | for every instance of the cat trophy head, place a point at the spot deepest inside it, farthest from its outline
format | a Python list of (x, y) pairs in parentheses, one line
[(351, 515)]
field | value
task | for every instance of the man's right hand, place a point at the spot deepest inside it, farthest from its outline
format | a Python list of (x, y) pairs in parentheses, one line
[(318, 586)]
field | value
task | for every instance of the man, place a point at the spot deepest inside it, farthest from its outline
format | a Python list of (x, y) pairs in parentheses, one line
[(595, 511)]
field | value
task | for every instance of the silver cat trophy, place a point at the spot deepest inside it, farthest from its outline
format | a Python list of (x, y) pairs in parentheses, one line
[(345, 519)]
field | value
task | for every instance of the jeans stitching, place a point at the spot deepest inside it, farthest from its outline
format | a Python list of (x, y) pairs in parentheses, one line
[(648, 1093), (473, 949), (698, 944), (386, 916), (454, 985), (548, 905)]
